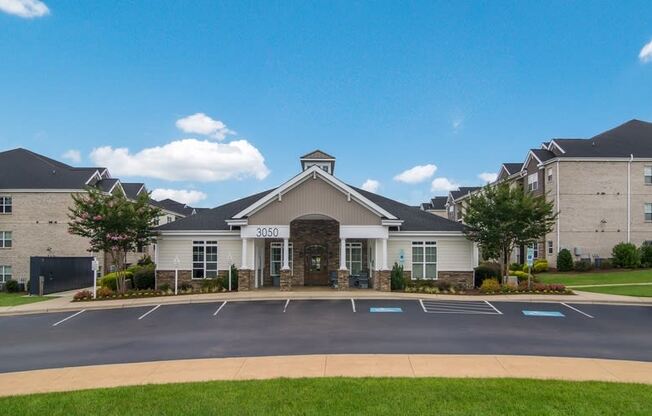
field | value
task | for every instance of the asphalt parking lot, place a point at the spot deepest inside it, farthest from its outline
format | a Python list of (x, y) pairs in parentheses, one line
[(257, 328)]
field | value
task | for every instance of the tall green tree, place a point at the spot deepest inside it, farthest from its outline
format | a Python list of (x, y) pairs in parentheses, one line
[(113, 224), (502, 217)]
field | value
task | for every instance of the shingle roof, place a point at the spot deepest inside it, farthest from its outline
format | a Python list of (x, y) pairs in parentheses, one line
[(23, 169), (413, 218), (106, 185), (439, 202), (425, 206), (512, 168), (633, 137), (317, 154), (464, 191), (173, 206), (543, 154), (132, 189)]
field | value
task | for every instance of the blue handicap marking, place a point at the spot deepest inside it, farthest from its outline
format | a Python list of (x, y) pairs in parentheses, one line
[(385, 310), (554, 314)]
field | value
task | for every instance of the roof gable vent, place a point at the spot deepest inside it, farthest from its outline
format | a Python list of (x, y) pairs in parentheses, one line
[(318, 158)]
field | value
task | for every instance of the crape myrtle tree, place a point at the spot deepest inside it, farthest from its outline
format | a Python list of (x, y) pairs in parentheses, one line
[(113, 224), (500, 218)]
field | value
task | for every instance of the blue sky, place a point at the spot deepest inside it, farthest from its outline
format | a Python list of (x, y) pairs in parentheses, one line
[(222, 98)]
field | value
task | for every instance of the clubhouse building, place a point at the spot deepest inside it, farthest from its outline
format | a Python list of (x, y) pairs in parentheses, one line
[(314, 230)]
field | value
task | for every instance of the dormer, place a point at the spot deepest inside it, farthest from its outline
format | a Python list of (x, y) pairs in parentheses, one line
[(325, 161)]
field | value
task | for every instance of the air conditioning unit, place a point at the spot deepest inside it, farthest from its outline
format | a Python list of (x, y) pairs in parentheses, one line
[(577, 251)]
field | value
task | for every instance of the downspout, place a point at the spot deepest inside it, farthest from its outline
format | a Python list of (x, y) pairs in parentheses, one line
[(558, 211), (629, 196)]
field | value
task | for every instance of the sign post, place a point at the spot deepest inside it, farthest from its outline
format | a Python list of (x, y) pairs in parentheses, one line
[(530, 262), (230, 264), (95, 265), (176, 274)]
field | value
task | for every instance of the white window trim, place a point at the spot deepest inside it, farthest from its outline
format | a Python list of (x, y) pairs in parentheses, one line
[(4, 204), (204, 244), (645, 174), (279, 245), (4, 275), (533, 181), (349, 257), (551, 247), (423, 245), (647, 211), (4, 239)]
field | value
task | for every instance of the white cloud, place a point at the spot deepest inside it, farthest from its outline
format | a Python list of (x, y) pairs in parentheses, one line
[(72, 154), (488, 177), (24, 8), (181, 195), (371, 185), (200, 123), (646, 53), (416, 174), (187, 159), (457, 123), (443, 184)]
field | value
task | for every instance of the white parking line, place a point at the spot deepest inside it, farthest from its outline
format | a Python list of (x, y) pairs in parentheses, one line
[(220, 308), (353, 304), (66, 318), (287, 302), (149, 311), (422, 306), (577, 310), (499, 312)]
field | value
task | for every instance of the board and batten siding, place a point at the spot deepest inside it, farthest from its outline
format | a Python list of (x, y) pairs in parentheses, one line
[(453, 253), (171, 247)]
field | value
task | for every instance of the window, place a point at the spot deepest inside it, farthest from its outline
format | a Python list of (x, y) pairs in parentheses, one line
[(424, 260), (5, 205), (535, 246), (276, 258), (5, 274), (549, 174), (354, 258), (648, 175), (204, 259), (648, 212), (550, 247), (533, 181), (5, 239), (169, 219)]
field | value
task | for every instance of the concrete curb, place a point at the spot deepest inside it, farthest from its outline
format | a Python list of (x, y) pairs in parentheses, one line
[(329, 365)]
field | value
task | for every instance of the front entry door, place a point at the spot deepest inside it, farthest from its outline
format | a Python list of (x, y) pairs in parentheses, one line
[(316, 266)]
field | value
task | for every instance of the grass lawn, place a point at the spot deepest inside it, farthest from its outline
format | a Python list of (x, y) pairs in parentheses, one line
[(344, 396), (15, 299), (642, 291), (599, 278)]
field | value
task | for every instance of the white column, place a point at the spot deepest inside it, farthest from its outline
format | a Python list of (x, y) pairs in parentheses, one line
[(384, 257), (342, 253), (245, 260), (286, 254)]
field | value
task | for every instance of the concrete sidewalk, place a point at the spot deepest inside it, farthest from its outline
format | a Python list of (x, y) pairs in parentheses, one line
[(65, 304), (301, 366)]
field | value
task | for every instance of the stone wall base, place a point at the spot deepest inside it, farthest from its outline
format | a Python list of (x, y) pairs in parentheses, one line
[(457, 278), (245, 280), (382, 281), (286, 280), (343, 279)]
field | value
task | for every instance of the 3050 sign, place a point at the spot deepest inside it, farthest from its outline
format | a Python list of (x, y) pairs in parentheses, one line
[(267, 232)]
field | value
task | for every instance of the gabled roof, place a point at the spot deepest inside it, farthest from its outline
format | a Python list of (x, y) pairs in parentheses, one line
[(107, 185), (24, 169), (317, 154), (463, 191), (426, 206), (438, 203), (174, 206), (512, 168), (542, 155), (132, 190)]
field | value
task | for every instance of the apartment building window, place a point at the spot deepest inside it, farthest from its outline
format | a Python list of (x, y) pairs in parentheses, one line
[(648, 175), (535, 247), (648, 212), (5, 205), (354, 258), (424, 260), (169, 219), (5, 239), (549, 174), (533, 181), (550, 247), (204, 259), (5, 274), (276, 258)]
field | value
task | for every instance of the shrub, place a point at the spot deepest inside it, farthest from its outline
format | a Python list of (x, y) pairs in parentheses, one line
[(397, 278), (515, 267), (540, 266), (211, 285), (443, 285), (606, 264), (164, 287), (490, 286), (185, 286), (646, 255), (564, 260), (83, 294), (144, 276), (146, 260), (626, 255), (486, 271), (104, 292), (583, 266), (11, 286), (110, 280)]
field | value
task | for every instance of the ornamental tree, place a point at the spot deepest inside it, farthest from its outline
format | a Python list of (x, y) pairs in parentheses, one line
[(113, 224), (500, 218)]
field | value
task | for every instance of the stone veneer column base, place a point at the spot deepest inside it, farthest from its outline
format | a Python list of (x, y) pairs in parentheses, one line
[(343, 279), (457, 278), (245, 277), (286, 280), (382, 282)]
